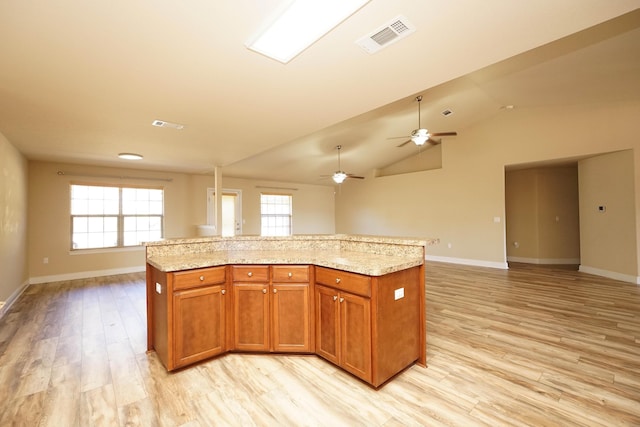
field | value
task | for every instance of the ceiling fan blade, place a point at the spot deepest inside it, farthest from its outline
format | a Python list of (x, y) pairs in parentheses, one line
[(354, 176), (444, 134), (404, 143), (397, 137)]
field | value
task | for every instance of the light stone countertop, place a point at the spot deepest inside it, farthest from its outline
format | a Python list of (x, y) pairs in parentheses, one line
[(355, 262)]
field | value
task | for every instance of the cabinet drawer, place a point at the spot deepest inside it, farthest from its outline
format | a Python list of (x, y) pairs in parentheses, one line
[(350, 282), (250, 273), (290, 273), (199, 277)]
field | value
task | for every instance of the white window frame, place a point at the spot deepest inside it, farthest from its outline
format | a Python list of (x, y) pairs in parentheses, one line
[(120, 218), (274, 223)]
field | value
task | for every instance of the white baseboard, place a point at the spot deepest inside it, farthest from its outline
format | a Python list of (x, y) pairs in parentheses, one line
[(85, 275), (13, 298), (550, 261), (610, 274), (465, 261)]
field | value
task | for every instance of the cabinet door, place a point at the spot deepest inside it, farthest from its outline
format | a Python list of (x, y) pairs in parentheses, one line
[(199, 324), (251, 315), (355, 335), (290, 317), (327, 324)]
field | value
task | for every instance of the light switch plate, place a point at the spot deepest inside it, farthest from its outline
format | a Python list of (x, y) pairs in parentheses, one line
[(398, 293), (158, 288)]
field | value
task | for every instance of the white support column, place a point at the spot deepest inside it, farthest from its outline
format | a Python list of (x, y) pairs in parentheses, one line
[(217, 173)]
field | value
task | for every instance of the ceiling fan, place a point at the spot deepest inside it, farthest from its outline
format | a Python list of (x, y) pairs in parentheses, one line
[(340, 176), (421, 135)]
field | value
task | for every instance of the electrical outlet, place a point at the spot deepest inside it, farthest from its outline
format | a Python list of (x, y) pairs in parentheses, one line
[(398, 293), (158, 288), (45, 260)]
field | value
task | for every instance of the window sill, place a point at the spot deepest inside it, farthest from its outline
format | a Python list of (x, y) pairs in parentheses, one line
[(106, 250)]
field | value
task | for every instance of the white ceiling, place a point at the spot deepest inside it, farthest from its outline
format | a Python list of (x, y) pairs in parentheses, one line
[(81, 81)]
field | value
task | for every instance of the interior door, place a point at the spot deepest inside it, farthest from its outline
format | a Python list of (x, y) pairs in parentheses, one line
[(230, 210)]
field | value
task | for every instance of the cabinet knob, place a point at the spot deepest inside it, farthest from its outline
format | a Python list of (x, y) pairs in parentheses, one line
[(290, 275), (337, 280), (341, 299), (335, 297), (264, 291), (275, 291), (201, 278), (223, 292), (250, 274)]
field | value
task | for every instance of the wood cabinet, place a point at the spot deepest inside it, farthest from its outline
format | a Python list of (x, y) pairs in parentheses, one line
[(271, 308), (343, 330), (188, 314), (369, 326), (291, 309), (200, 324)]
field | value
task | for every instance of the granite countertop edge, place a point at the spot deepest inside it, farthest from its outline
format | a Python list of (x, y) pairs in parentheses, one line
[(350, 261)]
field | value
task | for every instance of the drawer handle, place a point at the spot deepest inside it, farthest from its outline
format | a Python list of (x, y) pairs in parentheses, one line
[(335, 297), (223, 292), (264, 291), (341, 299), (290, 275), (250, 274), (201, 278), (275, 291), (337, 280)]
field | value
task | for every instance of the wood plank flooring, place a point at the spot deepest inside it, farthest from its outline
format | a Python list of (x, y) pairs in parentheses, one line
[(526, 347)]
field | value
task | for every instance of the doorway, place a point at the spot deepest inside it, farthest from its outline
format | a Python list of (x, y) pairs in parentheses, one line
[(230, 208), (542, 214)]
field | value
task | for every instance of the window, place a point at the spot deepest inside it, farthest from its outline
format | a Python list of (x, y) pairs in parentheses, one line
[(275, 210), (110, 217)]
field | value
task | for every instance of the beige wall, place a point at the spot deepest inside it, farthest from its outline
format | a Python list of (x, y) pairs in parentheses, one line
[(13, 220), (49, 218), (542, 215), (608, 237), (458, 203), (313, 205), (185, 208)]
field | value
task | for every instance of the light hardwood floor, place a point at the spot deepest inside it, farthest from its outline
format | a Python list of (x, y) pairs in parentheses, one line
[(524, 347)]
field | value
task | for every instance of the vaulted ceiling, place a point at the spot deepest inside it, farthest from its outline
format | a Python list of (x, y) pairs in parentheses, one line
[(82, 81)]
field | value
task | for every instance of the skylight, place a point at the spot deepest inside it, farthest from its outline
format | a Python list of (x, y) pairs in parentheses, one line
[(300, 24)]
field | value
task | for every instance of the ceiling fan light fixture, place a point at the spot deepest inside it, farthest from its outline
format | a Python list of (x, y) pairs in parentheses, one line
[(339, 177), (420, 136)]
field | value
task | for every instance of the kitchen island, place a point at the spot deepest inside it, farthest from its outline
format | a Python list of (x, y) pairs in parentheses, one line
[(356, 301)]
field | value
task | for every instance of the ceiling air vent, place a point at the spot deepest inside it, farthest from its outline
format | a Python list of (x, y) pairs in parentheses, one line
[(394, 30)]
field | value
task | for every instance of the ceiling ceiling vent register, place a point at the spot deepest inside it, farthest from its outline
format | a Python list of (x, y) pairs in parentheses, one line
[(391, 32)]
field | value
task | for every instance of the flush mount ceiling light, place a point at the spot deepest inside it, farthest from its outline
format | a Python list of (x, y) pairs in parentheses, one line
[(163, 124), (130, 156), (299, 24)]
